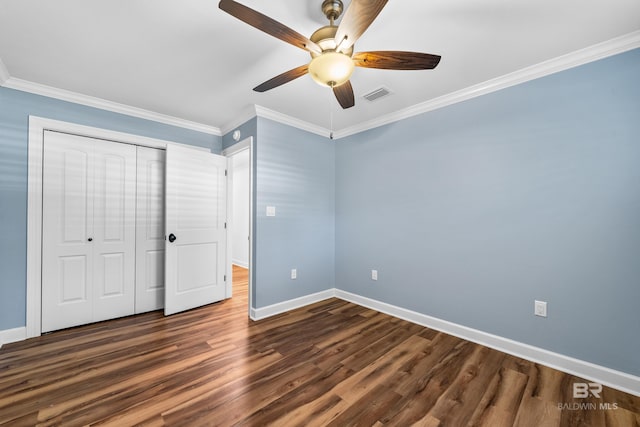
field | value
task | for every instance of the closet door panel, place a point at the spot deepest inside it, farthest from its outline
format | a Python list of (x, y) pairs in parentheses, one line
[(67, 270), (114, 229), (150, 230), (73, 279)]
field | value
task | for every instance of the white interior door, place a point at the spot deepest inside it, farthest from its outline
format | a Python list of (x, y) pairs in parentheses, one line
[(195, 249), (150, 230)]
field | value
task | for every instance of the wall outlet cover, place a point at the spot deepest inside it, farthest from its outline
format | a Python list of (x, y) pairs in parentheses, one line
[(540, 308)]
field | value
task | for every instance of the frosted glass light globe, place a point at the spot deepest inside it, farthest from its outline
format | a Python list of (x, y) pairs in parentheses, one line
[(331, 68)]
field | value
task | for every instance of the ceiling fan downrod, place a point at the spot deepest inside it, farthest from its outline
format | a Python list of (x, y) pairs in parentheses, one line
[(332, 9)]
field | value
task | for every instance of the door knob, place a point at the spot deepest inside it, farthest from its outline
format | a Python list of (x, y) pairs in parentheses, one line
[(90, 239), (172, 237)]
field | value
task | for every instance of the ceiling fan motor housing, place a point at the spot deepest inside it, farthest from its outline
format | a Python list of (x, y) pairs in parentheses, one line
[(331, 67), (332, 9), (324, 37)]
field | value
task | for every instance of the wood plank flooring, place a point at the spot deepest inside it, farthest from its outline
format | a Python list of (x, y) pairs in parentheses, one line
[(329, 364)]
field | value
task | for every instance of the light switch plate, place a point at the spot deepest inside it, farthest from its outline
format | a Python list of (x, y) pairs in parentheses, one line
[(271, 211)]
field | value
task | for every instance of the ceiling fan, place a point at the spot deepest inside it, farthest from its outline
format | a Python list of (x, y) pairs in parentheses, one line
[(331, 47)]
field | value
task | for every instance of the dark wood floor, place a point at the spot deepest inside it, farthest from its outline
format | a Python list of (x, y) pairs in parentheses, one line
[(331, 363)]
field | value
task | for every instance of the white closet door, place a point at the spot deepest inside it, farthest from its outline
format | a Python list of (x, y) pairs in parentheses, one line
[(195, 227), (67, 203), (150, 230), (88, 262), (114, 224)]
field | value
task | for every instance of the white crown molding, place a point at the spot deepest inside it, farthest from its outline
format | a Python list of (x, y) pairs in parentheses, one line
[(583, 56), (570, 60), (4, 73), (291, 121), (103, 104), (245, 115), (260, 111)]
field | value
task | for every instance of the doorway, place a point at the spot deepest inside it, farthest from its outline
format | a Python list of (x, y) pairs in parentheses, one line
[(240, 215)]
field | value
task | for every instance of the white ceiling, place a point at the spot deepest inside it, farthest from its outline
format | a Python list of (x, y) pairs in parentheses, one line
[(192, 61)]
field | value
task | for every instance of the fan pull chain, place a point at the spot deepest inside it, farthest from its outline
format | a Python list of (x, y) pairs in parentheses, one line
[(331, 130), (331, 119), (331, 115)]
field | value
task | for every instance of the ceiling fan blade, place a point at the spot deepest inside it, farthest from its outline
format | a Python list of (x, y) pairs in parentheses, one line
[(268, 25), (283, 78), (344, 94), (359, 15), (396, 60)]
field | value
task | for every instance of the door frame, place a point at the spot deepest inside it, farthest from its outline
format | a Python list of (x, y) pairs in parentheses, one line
[(37, 126), (245, 144)]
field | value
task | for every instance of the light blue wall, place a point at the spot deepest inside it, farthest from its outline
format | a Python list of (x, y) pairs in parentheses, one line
[(15, 108), (247, 129), (471, 212), (295, 172)]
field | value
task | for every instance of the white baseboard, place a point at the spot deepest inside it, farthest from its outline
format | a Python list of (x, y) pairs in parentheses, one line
[(240, 263), (590, 371), (580, 368), (292, 304), (13, 335)]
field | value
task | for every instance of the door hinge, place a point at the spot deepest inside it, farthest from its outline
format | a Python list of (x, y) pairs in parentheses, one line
[(225, 225), (225, 172), (225, 277)]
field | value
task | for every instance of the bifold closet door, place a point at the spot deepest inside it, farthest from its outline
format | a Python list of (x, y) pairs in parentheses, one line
[(88, 263), (150, 230)]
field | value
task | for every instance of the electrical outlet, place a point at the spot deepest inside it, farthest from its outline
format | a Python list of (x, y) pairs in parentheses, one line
[(374, 274), (294, 274), (540, 308)]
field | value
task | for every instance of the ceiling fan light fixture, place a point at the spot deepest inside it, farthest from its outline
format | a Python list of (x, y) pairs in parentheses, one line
[(331, 69), (331, 47)]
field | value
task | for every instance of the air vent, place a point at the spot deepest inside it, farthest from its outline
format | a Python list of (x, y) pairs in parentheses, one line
[(377, 94)]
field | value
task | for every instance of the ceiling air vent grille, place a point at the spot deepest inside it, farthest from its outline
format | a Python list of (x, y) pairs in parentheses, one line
[(377, 94)]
